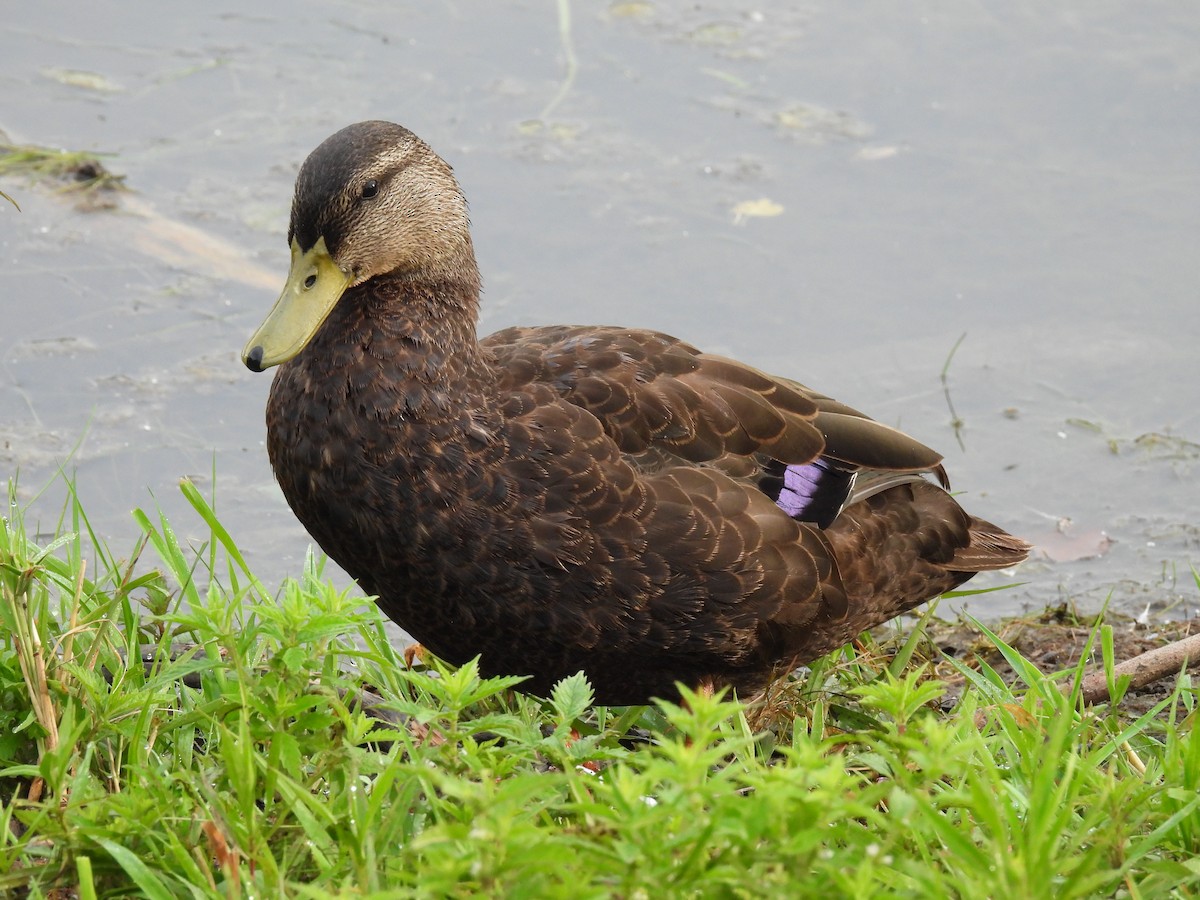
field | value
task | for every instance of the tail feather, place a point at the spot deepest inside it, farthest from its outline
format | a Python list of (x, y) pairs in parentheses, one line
[(910, 542), (890, 551), (991, 547)]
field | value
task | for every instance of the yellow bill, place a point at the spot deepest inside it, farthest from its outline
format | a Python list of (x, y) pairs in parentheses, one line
[(314, 284)]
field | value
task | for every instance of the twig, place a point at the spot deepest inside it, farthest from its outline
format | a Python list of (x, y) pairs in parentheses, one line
[(1143, 669)]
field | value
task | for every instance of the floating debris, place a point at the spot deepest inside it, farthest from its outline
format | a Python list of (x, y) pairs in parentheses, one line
[(761, 208), (631, 10), (874, 154), (76, 170), (1063, 545), (810, 119), (88, 81), (67, 345)]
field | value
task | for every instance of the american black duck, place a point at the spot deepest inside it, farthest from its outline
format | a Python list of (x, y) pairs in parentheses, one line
[(574, 497)]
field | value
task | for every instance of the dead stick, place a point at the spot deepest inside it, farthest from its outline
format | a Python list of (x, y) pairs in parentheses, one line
[(1144, 668)]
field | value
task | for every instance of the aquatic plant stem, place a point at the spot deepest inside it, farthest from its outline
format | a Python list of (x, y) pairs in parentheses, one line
[(955, 422), (564, 34)]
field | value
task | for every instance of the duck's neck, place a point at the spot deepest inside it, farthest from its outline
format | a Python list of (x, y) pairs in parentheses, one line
[(395, 371), (408, 346), (373, 418)]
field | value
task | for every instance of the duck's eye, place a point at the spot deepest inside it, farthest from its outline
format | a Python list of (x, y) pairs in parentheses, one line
[(370, 189)]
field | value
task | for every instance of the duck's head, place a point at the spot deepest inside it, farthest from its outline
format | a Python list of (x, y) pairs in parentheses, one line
[(372, 200)]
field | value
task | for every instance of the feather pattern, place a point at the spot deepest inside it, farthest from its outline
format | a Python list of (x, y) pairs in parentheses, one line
[(581, 497)]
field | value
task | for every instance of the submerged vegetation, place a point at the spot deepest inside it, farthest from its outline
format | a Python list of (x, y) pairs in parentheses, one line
[(72, 170), (184, 731)]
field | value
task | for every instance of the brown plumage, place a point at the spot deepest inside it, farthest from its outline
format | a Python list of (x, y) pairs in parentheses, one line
[(563, 498)]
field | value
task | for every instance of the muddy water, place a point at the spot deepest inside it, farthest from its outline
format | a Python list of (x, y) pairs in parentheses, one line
[(835, 194)]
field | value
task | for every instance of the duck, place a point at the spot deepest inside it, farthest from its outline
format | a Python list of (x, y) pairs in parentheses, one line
[(574, 498)]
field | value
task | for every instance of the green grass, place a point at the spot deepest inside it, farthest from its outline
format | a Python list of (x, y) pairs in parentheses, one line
[(267, 779)]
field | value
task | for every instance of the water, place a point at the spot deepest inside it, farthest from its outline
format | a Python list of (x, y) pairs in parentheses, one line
[(1027, 177)]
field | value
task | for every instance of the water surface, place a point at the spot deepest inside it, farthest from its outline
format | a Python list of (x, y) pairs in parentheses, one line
[(1028, 177)]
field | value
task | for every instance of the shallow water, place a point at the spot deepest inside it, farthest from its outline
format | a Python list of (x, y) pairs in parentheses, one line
[(833, 194)]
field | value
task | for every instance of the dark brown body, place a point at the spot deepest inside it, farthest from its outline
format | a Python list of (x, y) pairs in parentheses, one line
[(559, 499), (566, 498)]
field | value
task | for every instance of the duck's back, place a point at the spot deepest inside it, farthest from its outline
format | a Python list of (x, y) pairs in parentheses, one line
[(768, 524)]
